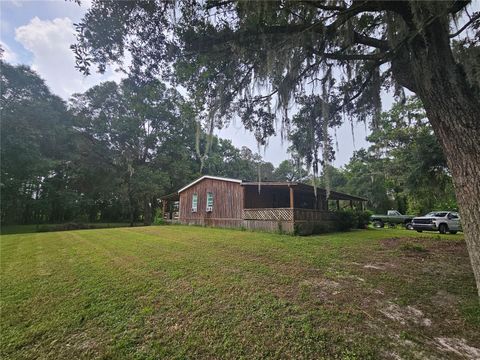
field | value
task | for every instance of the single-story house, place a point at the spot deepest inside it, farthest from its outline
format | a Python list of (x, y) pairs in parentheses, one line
[(290, 207)]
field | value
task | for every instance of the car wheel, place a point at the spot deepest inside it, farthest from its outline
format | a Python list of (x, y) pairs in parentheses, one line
[(409, 226), (452, 232), (443, 228), (378, 224)]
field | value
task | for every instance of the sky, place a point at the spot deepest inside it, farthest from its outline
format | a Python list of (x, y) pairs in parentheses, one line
[(39, 34)]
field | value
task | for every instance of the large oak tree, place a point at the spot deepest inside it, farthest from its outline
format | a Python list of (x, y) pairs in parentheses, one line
[(255, 58)]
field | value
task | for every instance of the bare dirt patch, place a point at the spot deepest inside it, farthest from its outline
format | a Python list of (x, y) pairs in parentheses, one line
[(321, 283), (424, 245), (372, 266), (444, 299), (392, 243), (405, 315), (458, 347), (322, 288)]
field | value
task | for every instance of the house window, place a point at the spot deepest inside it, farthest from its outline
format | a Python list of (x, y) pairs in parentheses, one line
[(209, 201), (194, 202)]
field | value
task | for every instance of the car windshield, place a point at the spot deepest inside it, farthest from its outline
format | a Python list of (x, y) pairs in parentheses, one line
[(436, 214)]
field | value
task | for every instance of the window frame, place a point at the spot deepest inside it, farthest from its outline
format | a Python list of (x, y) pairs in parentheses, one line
[(209, 202), (194, 197)]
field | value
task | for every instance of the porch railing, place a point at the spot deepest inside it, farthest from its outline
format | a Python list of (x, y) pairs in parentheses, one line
[(275, 214), (287, 214)]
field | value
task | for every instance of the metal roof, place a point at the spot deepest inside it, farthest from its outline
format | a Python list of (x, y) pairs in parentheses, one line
[(270, 183), (334, 195)]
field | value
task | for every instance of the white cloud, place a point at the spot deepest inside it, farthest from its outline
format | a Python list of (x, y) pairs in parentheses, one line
[(8, 54), (17, 3), (49, 41)]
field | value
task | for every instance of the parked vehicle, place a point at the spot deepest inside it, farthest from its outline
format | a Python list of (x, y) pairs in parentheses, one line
[(392, 218), (441, 221)]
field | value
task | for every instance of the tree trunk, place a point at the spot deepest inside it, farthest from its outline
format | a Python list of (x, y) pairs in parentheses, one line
[(147, 211), (457, 128), (452, 107), (130, 203)]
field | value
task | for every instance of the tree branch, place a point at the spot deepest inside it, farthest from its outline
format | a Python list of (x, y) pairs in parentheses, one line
[(318, 5), (369, 41), (458, 5), (348, 57), (358, 7), (475, 17), (213, 4)]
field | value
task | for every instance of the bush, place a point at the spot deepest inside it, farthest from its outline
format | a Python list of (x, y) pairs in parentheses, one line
[(363, 218), (158, 219), (352, 219), (345, 220), (320, 229), (64, 227)]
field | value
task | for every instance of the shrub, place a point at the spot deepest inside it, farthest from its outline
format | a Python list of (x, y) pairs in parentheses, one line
[(352, 219), (363, 218), (345, 220), (64, 227), (320, 228), (158, 219)]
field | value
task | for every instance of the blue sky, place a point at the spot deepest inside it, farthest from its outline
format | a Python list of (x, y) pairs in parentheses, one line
[(39, 33)]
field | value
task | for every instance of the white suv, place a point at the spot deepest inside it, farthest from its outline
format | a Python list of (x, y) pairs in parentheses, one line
[(441, 221)]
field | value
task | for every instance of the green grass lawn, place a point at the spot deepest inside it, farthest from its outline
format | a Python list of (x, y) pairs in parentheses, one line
[(190, 292)]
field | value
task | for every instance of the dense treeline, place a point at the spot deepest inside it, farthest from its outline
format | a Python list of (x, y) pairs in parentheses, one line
[(106, 155), (404, 168), (109, 154)]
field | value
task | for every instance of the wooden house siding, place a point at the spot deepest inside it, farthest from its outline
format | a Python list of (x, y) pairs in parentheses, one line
[(278, 206), (227, 204)]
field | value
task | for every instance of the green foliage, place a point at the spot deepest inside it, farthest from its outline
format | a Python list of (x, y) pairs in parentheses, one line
[(362, 218), (109, 156), (77, 226), (34, 136), (414, 163), (290, 170), (344, 220), (254, 59), (321, 229), (158, 218), (226, 160), (349, 219), (403, 169)]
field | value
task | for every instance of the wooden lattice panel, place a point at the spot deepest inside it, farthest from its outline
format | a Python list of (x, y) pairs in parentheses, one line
[(279, 214)]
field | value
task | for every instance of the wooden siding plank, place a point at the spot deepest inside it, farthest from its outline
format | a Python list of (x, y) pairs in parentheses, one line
[(227, 202)]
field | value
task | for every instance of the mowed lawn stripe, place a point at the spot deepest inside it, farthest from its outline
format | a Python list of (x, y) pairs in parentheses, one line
[(177, 292)]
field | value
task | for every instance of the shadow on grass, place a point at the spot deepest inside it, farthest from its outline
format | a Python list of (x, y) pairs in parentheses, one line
[(28, 229)]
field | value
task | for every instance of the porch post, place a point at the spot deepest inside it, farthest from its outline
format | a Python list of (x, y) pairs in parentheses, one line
[(338, 205), (292, 199), (164, 205), (351, 204), (244, 194)]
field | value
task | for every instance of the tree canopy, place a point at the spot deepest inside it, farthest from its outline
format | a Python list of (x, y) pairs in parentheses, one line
[(108, 155), (254, 59)]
